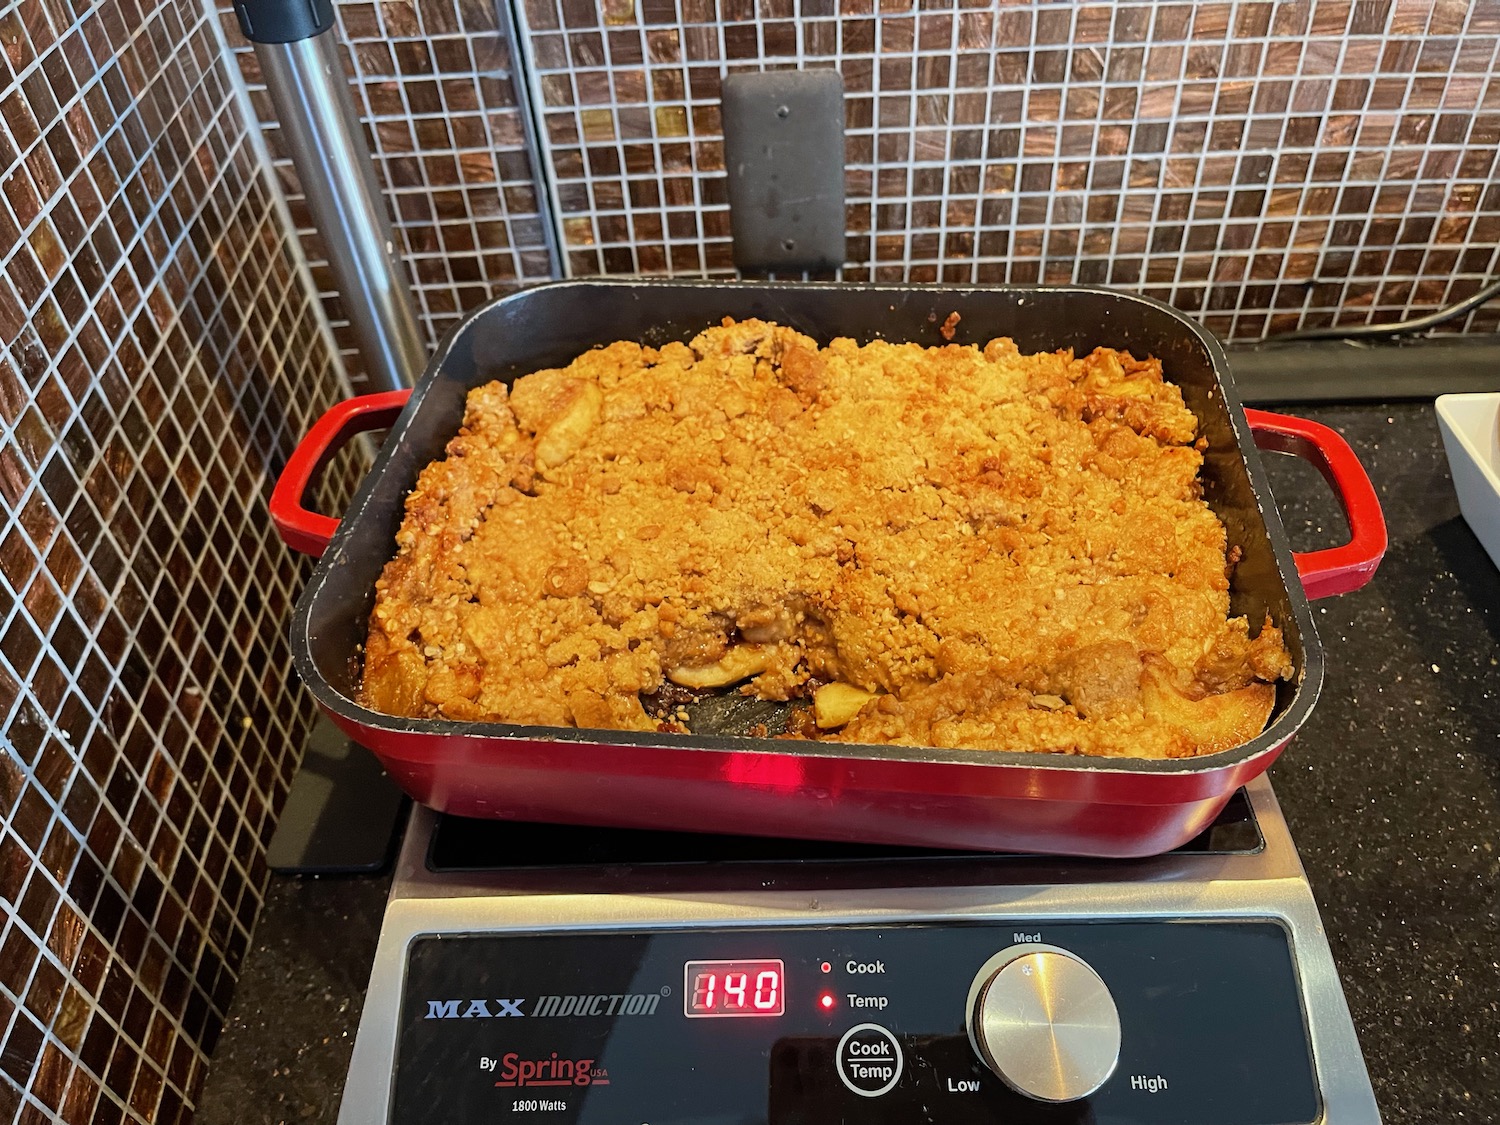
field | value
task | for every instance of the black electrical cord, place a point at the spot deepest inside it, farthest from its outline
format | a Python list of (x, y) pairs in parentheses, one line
[(1400, 327)]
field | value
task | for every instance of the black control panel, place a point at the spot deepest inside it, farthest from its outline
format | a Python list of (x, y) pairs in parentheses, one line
[(814, 1026)]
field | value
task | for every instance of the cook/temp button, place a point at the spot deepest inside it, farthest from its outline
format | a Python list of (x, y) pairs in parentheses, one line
[(869, 1060)]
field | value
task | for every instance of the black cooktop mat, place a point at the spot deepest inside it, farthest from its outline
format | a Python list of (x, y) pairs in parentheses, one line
[(461, 844)]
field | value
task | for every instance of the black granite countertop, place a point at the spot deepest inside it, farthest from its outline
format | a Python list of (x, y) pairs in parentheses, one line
[(1392, 791)]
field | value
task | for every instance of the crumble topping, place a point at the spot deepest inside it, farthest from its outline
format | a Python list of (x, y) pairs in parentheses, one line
[(945, 546)]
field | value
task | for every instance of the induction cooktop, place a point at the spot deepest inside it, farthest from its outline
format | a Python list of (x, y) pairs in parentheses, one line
[(541, 973)]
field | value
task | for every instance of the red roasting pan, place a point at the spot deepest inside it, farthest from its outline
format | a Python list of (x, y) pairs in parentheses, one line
[(724, 782)]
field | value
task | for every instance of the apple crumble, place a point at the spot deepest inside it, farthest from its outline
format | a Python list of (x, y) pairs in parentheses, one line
[(951, 546)]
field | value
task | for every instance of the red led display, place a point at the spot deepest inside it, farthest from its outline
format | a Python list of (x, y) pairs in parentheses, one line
[(734, 988)]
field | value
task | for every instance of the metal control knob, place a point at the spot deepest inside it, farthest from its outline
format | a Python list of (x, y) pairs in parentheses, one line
[(1043, 1021)]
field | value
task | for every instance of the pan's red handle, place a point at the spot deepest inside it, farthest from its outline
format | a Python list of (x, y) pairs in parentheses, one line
[(303, 530), (1336, 570)]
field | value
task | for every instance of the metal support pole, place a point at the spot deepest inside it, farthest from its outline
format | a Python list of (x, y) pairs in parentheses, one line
[(300, 63), (343, 813)]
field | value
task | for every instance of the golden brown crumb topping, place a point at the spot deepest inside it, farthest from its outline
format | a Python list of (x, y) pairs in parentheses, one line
[(939, 546)]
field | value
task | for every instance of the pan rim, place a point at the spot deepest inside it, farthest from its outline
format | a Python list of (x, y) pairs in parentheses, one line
[(497, 736)]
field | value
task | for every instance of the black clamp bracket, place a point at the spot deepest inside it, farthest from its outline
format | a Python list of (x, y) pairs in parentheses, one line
[(283, 21)]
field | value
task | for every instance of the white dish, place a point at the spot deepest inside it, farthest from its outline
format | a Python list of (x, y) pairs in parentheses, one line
[(1471, 436)]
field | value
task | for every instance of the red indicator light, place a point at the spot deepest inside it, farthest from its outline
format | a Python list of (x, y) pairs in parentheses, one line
[(826, 1001), (826, 967)]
